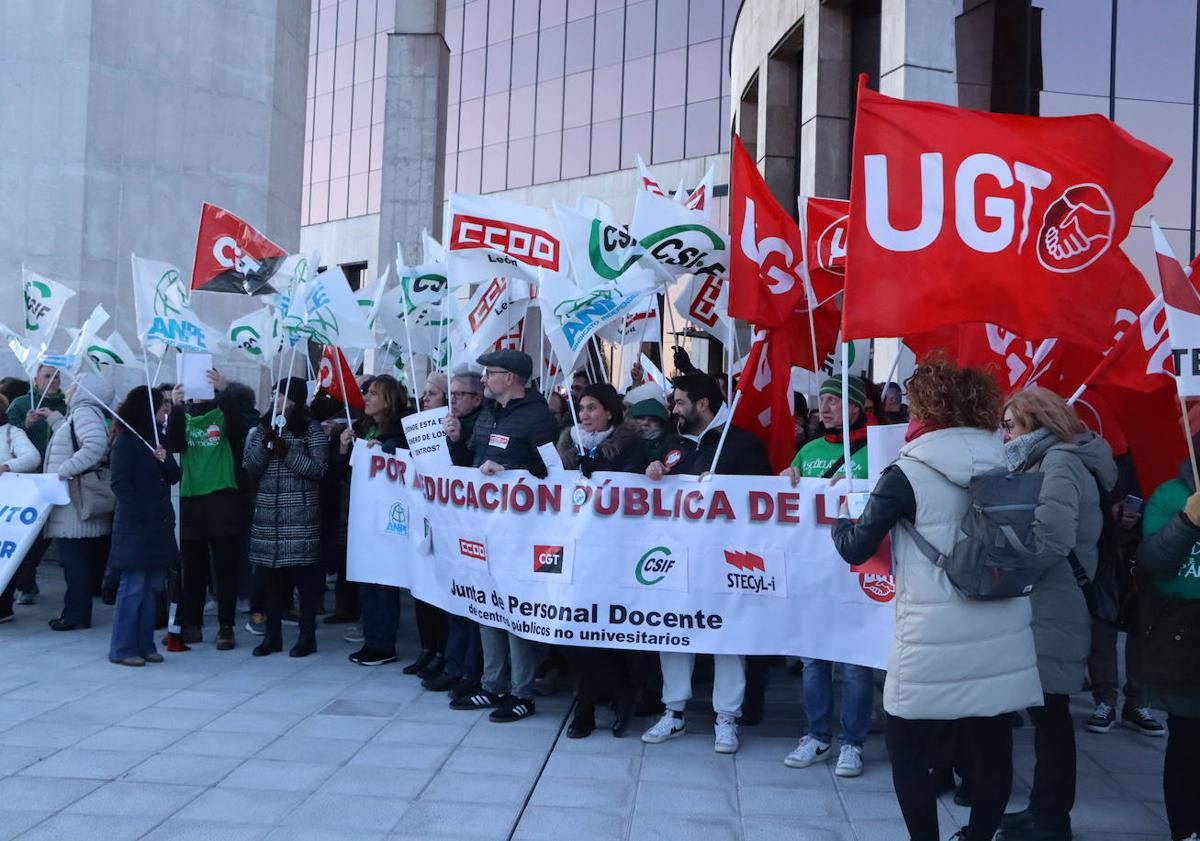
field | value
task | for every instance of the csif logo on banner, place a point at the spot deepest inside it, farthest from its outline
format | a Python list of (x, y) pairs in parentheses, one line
[(610, 239), (661, 568), (689, 247), (1075, 230), (246, 338), (753, 574), (35, 310)]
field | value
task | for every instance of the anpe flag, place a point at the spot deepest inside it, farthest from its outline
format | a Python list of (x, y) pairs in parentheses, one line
[(963, 216), (337, 380), (231, 256), (766, 276)]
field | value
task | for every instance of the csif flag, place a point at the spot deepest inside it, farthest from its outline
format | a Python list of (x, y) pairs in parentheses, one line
[(335, 378), (231, 256), (766, 276), (113, 351), (952, 207), (44, 303)]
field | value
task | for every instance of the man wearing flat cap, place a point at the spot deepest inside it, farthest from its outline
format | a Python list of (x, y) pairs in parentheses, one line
[(511, 426)]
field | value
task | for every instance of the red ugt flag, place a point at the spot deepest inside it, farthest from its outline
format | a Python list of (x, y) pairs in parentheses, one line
[(337, 380), (231, 256), (765, 407), (967, 216), (766, 281), (826, 222)]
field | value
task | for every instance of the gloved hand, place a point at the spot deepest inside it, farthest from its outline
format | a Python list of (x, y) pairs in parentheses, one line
[(1191, 509), (683, 362), (279, 447)]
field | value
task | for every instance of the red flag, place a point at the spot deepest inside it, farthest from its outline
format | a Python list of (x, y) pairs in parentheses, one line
[(765, 407), (338, 384), (826, 222), (766, 280), (1136, 380), (231, 256), (966, 216)]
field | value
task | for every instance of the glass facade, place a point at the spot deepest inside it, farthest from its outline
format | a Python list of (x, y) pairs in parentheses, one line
[(545, 90), (1138, 69), (347, 79)]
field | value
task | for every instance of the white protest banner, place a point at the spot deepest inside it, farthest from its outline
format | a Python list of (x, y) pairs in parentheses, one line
[(490, 237), (883, 445), (493, 311), (25, 500), (257, 336), (426, 438), (164, 314), (729, 565), (44, 302)]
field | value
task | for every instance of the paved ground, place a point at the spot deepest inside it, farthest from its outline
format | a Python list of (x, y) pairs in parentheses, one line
[(219, 745)]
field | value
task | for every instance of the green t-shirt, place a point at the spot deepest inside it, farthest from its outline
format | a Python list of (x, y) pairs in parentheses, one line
[(818, 455), (208, 459), (39, 433), (1166, 502)]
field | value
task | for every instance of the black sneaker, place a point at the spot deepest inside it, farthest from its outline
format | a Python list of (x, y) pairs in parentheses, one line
[(1103, 719), (513, 709), (479, 701), (464, 687), (440, 683), (1142, 720), (357, 656), (6, 617), (376, 657)]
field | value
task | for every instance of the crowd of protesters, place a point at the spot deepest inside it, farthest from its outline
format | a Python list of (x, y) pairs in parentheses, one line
[(264, 500)]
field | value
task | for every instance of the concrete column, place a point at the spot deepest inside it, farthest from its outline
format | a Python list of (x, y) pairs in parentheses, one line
[(778, 146), (414, 134), (916, 52), (826, 107)]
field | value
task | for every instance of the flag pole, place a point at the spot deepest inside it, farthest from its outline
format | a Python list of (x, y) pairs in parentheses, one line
[(75, 381), (150, 395), (808, 292), (1187, 428), (574, 417), (846, 466), (737, 398)]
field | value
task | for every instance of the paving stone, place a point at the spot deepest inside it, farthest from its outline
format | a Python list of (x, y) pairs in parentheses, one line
[(415, 733), (183, 770), (73, 827), (348, 812), (267, 724), (131, 739), (434, 819), (187, 829), (274, 775), (509, 761), (401, 756), (14, 822), (207, 743), (777, 801), (681, 799), (309, 749), (457, 787), (798, 829), (589, 794), (592, 767), (403, 783), (135, 798), (542, 822), (682, 828), (36, 794), (242, 806), (85, 764)]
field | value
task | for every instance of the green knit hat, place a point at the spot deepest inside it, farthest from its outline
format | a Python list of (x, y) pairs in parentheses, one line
[(649, 409), (858, 389)]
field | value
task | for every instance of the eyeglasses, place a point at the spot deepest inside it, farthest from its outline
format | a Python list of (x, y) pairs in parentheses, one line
[(1007, 425), (486, 373), (459, 395)]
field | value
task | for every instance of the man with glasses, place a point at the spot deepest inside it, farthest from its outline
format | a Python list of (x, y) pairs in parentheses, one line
[(464, 655), (510, 427)]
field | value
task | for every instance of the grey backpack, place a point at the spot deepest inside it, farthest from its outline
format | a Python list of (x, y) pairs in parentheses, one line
[(996, 556)]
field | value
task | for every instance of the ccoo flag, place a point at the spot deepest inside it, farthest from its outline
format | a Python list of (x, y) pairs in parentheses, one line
[(231, 256), (964, 216)]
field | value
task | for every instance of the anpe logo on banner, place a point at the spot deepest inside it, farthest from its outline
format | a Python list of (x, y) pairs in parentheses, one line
[(548, 559), (831, 246), (1077, 229), (476, 550), (526, 245), (397, 522), (755, 575), (661, 568)]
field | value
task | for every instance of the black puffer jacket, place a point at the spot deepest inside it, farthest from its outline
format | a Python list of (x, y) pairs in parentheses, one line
[(621, 452), (510, 435), (743, 454)]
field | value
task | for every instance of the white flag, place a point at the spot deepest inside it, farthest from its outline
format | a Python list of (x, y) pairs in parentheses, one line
[(649, 182), (369, 296), (257, 336), (643, 323), (571, 316), (704, 301), (113, 351), (493, 311), (701, 198), (605, 254), (1182, 305), (72, 358), (491, 237), (332, 316), (681, 240), (44, 302), (164, 313)]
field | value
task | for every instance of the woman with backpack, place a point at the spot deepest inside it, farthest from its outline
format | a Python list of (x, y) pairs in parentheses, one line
[(1042, 434), (143, 544), (285, 535), (957, 666), (1171, 641), (77, 451)]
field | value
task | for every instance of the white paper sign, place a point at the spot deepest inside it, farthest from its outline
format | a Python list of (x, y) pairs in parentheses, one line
[(426, 437), (191, 372), (883, 445), (550, 457), (28, 496)]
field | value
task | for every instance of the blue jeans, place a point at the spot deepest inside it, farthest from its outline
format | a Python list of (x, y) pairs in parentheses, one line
[(76, 554), (380, 616), (858, 701), (133, 621), (464, 651)]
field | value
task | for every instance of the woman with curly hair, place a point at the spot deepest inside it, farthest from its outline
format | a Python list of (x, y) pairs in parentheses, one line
[(957, 666)]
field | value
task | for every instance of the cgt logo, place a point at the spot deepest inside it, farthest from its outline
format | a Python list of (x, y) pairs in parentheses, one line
[(473, 549), (229, 254), (548, 559), (526, 245), (752, 575)]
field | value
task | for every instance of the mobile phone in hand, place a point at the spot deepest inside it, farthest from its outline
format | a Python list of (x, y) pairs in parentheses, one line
[(1132, 504)]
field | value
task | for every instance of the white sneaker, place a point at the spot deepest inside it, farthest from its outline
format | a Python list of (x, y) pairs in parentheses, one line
[(667, 727), (806, 753), (849, 762), (210, 608), (353, 633), (727, 735)]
